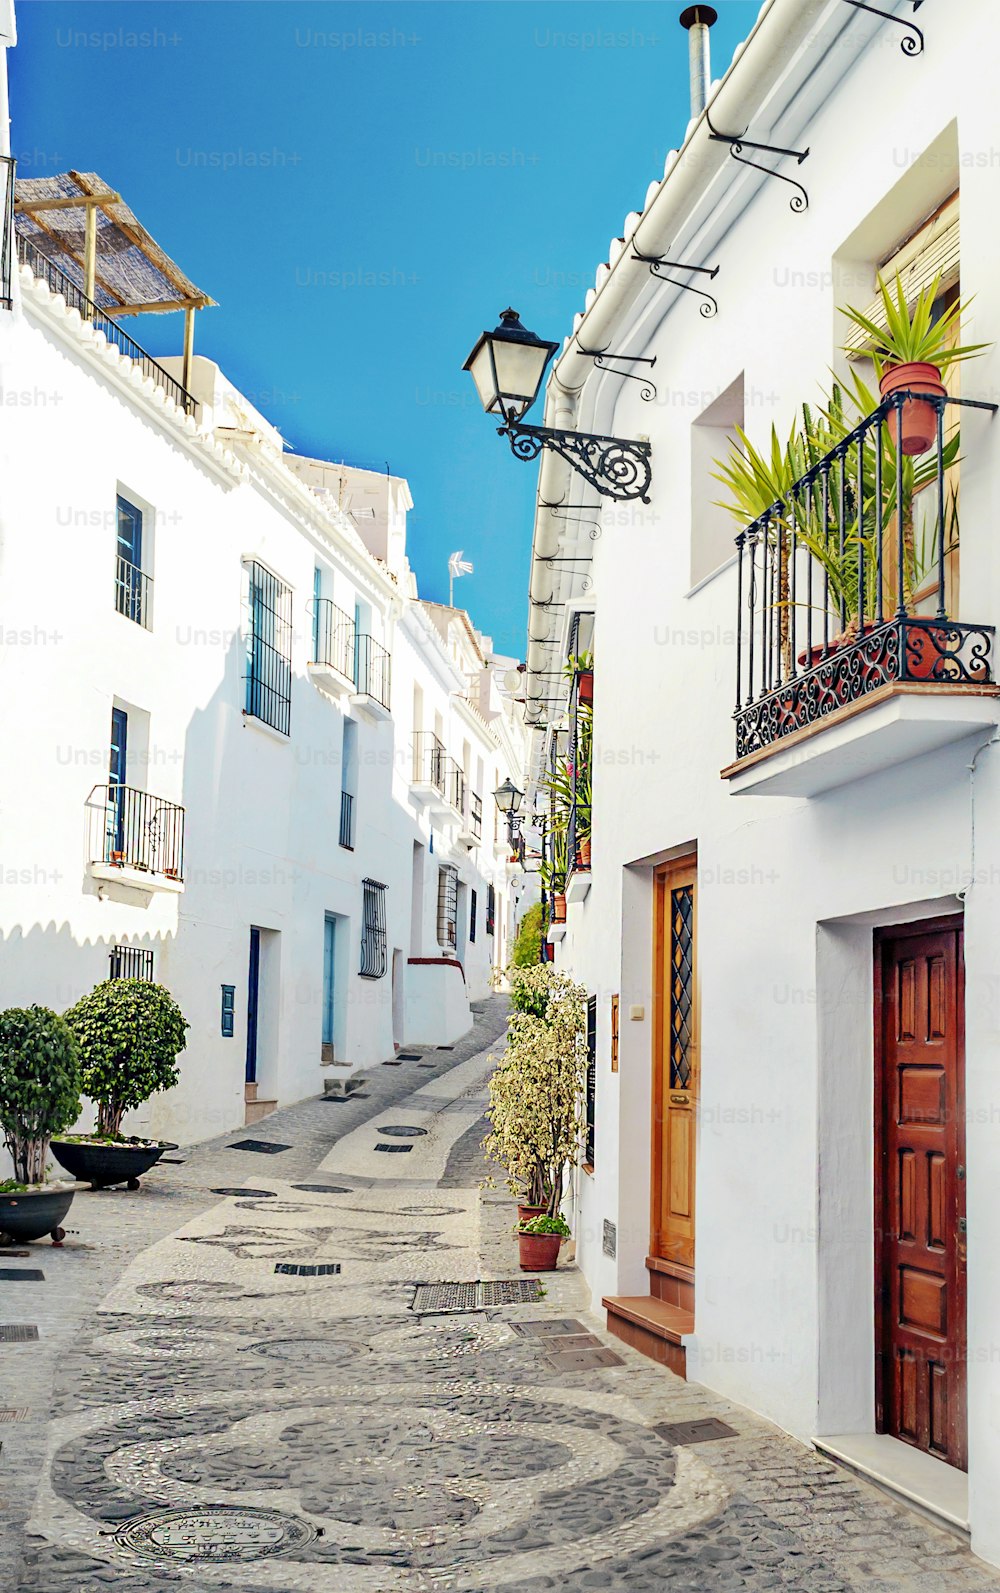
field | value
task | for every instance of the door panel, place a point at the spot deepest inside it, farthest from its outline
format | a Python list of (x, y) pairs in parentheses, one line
[(920, 1249), (676, 1070)]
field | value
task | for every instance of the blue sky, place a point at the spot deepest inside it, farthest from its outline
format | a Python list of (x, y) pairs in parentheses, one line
[(363, 187)]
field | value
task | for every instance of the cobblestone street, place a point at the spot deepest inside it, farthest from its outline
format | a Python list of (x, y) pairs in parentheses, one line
[(231, 1389)]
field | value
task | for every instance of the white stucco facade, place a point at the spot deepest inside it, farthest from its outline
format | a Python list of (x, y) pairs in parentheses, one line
[(265, 850), (790, 887)]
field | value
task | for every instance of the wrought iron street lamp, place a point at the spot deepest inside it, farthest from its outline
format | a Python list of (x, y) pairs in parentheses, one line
[(507, 366), (508, 798)]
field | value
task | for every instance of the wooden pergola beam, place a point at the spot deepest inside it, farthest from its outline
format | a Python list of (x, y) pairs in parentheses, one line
[(71, 202), (162, 305)]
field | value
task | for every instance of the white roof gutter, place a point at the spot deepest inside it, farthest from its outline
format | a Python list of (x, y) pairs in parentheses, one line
[(735, 105)]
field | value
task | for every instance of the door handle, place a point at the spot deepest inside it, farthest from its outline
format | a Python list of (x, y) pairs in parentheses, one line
[(680, 1100)]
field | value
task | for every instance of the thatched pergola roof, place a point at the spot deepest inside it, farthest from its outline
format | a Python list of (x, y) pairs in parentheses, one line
[(128, 271)]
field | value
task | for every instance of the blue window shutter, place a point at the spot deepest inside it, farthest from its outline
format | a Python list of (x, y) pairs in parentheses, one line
[(228, 1010)]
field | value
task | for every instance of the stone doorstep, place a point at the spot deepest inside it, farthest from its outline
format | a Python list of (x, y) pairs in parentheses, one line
[(935, 1490), (257, 1109)]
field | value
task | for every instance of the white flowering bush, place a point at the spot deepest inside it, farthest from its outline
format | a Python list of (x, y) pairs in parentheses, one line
[(537, 1090)]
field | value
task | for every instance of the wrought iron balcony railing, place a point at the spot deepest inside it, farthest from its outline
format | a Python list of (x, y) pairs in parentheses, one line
[(840, 593), (429, 761), (373, 672), (75, 297), (8, 166), (454, 789), (132, 829), (333, 637), (476, 815), (347, 821), (133, 592)]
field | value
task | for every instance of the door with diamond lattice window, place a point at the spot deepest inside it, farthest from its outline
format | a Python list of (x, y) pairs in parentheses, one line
[(675, 1063)]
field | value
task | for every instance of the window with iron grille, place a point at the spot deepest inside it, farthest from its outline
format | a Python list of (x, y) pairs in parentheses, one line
[(591, 1110), (473, 904), (491, 910), (374, 959), (130, 962), (447, 913), (268, 672), (681, 985)]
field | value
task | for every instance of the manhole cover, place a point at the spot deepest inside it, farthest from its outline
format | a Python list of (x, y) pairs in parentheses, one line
[(255, 1194), (312, 1352), (266, 1147), (17, 1332), (697, 1432), (21, 1275), (400, 1149), (582, 1360), (325, 1269), (401, 1131), (409, 1056), (219, 1533), (322, 1189), (476, 1296), (558, 1327)]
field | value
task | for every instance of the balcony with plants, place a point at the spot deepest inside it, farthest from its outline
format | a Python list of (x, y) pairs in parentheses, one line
[(135, 838), (850, 653)]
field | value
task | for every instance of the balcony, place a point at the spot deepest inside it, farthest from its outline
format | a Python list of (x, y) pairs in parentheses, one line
[(347, 821), (454, 787), (848, 659), (428, 781), (133, 593), (135, 838), (332, 662), (372, 679), (471, 832)]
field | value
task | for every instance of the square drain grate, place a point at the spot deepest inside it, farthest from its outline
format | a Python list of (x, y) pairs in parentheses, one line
[(409, 1056), (393, 1062), (325, 1269), (265, 1147), (17, 1332), (558, 1327), (477, 1296), (697, 1432), (21, 1275), (445, 1048), (14, 1415), (399, 1149), (581, 1360)]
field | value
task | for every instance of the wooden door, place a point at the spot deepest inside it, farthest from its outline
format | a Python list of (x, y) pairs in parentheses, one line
[(675, 1063), (920, 1189)]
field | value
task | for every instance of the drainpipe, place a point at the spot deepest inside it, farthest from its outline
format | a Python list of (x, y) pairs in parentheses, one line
[(698, 20)]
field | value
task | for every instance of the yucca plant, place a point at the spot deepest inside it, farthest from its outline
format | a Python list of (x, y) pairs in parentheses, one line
[(914, 336)]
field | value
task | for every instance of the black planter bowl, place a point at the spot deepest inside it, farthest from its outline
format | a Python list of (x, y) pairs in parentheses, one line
[(103, 1165), (35, 1213)]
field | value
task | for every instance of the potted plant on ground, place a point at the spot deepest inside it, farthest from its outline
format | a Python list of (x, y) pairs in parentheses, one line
[(913, 351), (537, 1090), (538, 1240), (39, 1096), (130, 1033)]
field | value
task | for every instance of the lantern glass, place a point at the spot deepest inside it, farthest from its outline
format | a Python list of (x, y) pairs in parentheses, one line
[(507, 366)]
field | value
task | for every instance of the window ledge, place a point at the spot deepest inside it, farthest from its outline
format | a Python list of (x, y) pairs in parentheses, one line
[(250, 721), (899, 721)]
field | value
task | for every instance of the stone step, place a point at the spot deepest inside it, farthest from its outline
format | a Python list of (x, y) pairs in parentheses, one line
[(653, 1327), (256, 1109)]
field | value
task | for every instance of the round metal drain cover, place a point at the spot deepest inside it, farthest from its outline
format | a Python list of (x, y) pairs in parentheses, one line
[(401, 1131), (311, 1352), (255, 1194), (322, 1189), (216, 1534)]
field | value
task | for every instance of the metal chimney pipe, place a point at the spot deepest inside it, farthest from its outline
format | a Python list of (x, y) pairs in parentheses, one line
[(697, 20)]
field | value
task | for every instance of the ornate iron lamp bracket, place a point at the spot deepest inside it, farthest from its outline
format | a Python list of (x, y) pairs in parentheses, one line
[(601, 356), (616, 467), (738, 142), (913, 43), (658, 266)]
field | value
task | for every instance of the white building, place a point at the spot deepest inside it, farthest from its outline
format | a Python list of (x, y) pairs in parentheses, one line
[(218, 686), (793, 1202)]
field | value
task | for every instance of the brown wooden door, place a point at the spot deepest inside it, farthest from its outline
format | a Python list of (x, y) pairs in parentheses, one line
[(921, 1246), (675, 1063)]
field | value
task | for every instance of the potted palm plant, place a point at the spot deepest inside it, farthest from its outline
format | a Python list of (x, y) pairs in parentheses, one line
[(580, 667), (39, 1096), (536, 1095), (913, 351), (553, 869), (130, 1033)]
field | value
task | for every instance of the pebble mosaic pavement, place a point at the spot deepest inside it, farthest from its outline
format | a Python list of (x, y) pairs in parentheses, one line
[(190, 1419)]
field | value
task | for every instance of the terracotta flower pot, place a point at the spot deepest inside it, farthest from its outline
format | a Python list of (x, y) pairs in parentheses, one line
[(585, 853), (559, 908), (919, 419), (924, 652), (539, 1252), (585, 686), (525, 1213)]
